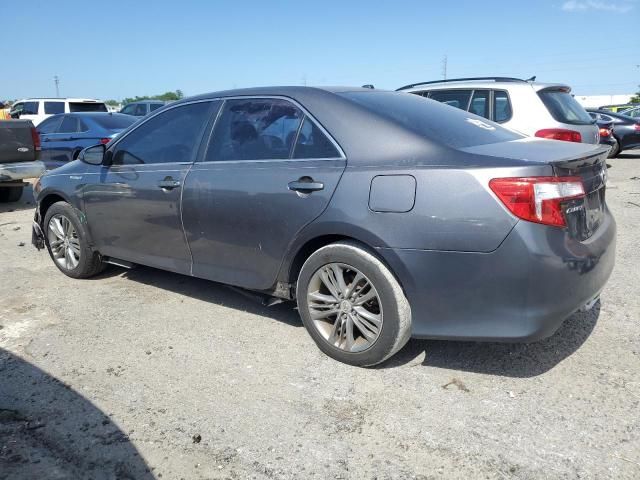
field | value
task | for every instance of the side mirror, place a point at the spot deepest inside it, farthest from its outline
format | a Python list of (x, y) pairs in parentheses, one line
[(93, 155)]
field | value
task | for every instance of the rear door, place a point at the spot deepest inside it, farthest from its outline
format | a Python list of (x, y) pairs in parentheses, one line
[(134, 204), (47, 131), (269, 170)]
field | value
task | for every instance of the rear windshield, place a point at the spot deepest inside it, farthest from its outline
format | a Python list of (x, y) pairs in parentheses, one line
[(114, 122), (87, 107), (564, 108), (432, 119)]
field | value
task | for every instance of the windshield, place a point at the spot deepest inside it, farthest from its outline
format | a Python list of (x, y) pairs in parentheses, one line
[(114, 122), (87, 107), (432, 119), (564, 108)]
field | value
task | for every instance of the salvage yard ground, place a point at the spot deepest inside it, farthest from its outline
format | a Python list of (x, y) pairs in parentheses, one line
[(147, 374)]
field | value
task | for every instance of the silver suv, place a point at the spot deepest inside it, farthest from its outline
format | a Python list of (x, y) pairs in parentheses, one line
[(546, 110)]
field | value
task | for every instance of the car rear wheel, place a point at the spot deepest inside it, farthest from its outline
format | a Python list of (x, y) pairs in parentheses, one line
[(10, 194), (66, 240), (615, 150), (352, 305)]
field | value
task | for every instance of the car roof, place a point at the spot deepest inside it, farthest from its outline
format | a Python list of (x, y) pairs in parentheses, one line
[(146, 101), (502, 83), (68, 99)]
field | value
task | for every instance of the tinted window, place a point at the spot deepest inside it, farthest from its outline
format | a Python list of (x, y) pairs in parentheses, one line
[(113, 122), (82, 126), (453, 98), (155, 106), (53, 107), (431, 119), (172, 136), (87, 107), (128, 109), (255, 129), (30, 108), (564, 108), (501, 106), (69, 125), (313, 143), (50, 125), (140, 110), (480, 103)]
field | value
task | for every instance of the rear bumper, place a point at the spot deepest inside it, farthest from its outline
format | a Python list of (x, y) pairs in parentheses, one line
[(10, 172), (522, 291)]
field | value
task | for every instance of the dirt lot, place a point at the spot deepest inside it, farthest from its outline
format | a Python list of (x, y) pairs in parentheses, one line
[(145, 374)]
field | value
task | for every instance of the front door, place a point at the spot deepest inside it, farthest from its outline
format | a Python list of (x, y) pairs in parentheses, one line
[(268, 171), (134, 204)]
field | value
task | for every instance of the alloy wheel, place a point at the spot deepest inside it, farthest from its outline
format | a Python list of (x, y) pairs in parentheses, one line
[(345, 307), (64, 242)]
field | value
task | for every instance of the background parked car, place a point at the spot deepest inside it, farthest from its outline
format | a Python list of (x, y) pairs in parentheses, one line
[(535, 109), (64, 136), (615, 108), (39, 109), (626, 130), (632, 112), (19, 153), (605, 125), (142, 108)]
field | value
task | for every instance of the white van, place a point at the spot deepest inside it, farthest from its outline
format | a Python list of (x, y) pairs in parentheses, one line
[(38, 109)]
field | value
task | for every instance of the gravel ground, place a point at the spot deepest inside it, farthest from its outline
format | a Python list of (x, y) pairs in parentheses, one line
[(146, 374)]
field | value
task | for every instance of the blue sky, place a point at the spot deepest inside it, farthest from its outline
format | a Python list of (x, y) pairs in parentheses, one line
[(116, 49)]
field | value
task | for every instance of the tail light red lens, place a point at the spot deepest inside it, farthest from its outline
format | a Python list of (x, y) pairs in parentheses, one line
[(36, 139), (560, 134), (538, 199), (605, 132), (636, 127), (104, 141)]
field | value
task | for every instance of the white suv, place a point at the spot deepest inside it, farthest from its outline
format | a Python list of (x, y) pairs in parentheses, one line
[(535, 109), (38, 109)]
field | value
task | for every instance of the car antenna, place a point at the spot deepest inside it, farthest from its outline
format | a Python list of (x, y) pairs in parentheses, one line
[(532, 79)]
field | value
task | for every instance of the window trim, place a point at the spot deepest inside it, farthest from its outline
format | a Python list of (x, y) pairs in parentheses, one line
[(200, 158), (493, 101)]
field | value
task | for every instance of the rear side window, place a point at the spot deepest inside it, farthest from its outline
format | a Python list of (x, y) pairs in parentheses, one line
[(255, 129), (128, 109), (113, 122), (171, 136), (50, 125), (87, 107), (155, 106), (52, 108), (30, 108), (68, 125), (480, 103), (432, 120), (313, 143), (140, 110), (501, 106), (453, 98), (564, 108)]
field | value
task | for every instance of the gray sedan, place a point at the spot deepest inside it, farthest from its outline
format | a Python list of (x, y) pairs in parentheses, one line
[(384, 215)]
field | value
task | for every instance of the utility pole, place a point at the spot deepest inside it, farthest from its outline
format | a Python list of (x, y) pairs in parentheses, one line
[(444, 67), (56, 80)]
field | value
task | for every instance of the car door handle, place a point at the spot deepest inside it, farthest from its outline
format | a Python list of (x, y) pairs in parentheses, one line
[(305, 185), (168, 184)]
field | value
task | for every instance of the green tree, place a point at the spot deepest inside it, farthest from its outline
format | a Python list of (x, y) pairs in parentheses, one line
[(166, 97), (112, 103), (636, 98)]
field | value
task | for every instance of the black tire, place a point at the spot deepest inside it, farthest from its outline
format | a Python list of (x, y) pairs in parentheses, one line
[(89, 263), (396, 320), (615, 150), (10, 194)]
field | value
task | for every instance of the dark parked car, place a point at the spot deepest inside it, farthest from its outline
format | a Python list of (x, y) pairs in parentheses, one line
[(385, 215), (64, 136), (626, 130), (19, 154), (605, 127), (142, 108)]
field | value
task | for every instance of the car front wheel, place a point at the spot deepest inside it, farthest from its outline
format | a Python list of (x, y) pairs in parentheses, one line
[(352, 305), (66, 241)]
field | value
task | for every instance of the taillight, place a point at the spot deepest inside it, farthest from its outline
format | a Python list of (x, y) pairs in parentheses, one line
[(560, 134), (636, 127), (36, 139), (538, 199), (605, 132), (104, 141)]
